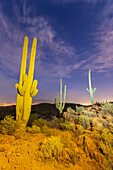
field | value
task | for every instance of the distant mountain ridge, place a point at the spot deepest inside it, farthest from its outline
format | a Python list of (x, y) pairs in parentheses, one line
[(34, 101), (42, 101)]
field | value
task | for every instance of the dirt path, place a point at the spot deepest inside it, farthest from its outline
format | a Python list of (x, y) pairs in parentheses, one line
[(20, 154)]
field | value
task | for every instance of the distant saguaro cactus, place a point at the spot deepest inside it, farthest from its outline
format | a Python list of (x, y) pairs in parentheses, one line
[(90, 88), (26, 87), (58, 99)]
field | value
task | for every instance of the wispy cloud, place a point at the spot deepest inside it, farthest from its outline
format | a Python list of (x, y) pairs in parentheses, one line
[(102, 57), (52, 53), (73, 1)]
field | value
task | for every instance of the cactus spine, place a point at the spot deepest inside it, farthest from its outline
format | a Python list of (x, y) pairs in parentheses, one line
[(26, 87), (90, 88), (58, 99)]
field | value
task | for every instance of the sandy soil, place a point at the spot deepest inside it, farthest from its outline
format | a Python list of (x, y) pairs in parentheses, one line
[(19, 152)]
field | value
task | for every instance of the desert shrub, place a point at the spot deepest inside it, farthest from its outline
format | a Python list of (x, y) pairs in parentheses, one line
[(79, 109), (50, 148), (66, 139), (68, 125), (107, 108), (68, 156), (111, 128), (52, 132), (9, 125), (79, 130), (60, 120), (33, 129), (32, 118), (53, 123), (44, 129), (107, 141), (40, 122), (70, 110), (89, 114), (84, 121), (99, 126), (106, 146)]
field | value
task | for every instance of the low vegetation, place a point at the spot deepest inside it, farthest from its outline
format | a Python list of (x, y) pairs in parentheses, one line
[(83, 135)]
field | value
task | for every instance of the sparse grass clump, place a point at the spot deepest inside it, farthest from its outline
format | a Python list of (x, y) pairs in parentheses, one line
[(44, 129), (9, 125), (79, 109), (52, 132), (84, 121), (106, 145), (70, 110), (40, 122), (107, 141), (32, 118), (33, 129), (59, 148), (53, 123), (50, 148), (107, 108), (68, 125)]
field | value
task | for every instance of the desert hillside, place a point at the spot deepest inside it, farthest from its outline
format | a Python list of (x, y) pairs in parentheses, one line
[(81, 139)]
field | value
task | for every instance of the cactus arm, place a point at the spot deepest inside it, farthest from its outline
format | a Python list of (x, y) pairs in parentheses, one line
[(87, 89), (94, 90), (21, 88), (60, 95), (19, 101), (90, 88), (58, 100), (91, 93), (64, 97), (90, 80), (28, 95), (26, 87), (32, 61), (24, 58), (34, 85), (35, 91)]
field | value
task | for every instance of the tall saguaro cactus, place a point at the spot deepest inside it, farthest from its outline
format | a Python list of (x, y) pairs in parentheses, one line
[(58, 99), (90, 88), (26, 87)]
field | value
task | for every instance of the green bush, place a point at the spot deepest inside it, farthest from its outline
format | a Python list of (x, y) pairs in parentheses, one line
[(40, 122), (44, 129), (68, 125), (33, 129), (50, 148), (9, 125), (88, 113), (84, 121), (106, 145), (107, 108), (70, 110), (52, 132), (53, 123), (79, 109), (32, 118)]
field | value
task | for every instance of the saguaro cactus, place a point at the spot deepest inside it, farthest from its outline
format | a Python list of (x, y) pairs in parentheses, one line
[(58, 99), (90, 88), (26, 87)]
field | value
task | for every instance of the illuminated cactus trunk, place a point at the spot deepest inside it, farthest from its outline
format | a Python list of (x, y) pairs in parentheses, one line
[(26, 87), (90, 88), (58, 100)]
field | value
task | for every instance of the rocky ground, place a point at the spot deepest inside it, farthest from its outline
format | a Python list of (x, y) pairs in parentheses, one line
[(85, 140)]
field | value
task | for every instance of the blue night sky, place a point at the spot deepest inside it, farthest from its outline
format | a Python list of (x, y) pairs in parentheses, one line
[(73, 37)]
